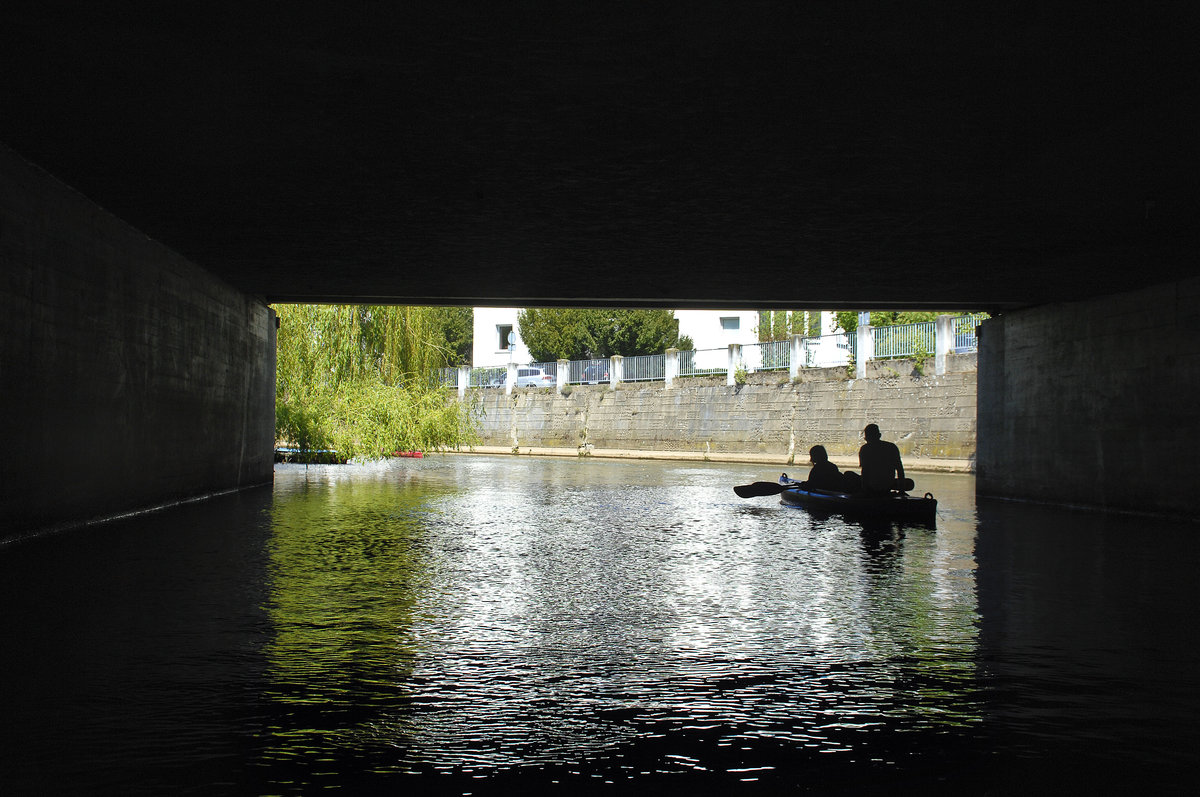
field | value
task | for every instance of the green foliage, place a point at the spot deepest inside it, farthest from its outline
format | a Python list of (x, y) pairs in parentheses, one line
[(921, 357), (571, 333), (686, 343), (454, 328), (780, 328), (356, 379), (776, 325), (848, 320), (740, 376)]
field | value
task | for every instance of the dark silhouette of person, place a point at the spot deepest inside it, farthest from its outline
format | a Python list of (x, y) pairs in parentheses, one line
[(879, 462), (824, 474)]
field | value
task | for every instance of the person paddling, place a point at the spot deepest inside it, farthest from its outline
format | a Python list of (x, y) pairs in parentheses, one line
[(824, 474), (880, 464)]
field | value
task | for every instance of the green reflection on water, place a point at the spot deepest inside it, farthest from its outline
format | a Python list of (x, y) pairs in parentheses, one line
[(349, 565)]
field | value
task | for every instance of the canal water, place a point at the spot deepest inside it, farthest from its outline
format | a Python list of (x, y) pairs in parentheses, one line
[(469, 625)]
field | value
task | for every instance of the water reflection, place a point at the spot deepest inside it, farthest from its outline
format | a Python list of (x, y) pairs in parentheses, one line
[(481, 618)]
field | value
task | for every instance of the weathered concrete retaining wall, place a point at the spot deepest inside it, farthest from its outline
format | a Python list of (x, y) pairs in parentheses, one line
[(929, 417), (129, 377), (1094, 403)]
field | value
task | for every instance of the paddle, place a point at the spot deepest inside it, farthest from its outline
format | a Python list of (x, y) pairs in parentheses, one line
[(760, 488), (774, 488)]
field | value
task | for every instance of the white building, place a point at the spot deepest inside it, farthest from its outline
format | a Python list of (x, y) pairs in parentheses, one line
[(492, 328), (708, 329)]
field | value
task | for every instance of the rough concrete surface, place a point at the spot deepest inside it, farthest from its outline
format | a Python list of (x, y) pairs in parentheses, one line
[(130, 377), (769, 419)]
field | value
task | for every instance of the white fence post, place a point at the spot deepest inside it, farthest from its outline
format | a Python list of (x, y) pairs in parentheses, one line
[(796, 358), (510, 380), (671, 368), (616, 370), (864, 348), (464, 378), (735, 362), (943, 342), (562, 374)]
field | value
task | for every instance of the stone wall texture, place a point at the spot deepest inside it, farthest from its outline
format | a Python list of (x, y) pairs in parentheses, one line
[(1094, 403), (129, 377), (928, 417)]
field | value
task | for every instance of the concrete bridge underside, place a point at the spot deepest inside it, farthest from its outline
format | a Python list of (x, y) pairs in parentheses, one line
[(168, 171)]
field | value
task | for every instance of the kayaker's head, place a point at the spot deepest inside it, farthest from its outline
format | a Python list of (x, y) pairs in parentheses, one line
[(817, 454), (871, 432)]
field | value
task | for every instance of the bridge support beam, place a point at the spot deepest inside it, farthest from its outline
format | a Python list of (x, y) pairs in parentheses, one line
[(130, 377), (1093, 403)]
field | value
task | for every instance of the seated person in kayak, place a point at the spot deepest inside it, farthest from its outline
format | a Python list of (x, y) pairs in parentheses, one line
[(824, 474), (879, 461)]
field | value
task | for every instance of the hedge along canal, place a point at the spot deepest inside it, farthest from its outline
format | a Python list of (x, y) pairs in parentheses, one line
[(768, 419)]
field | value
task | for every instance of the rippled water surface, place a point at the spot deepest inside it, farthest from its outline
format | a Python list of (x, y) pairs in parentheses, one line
[(468, 624)]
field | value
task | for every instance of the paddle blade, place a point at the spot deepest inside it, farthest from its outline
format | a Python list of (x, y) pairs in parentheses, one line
[(758, 489)]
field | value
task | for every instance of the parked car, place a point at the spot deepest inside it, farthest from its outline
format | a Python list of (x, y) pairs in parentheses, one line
[(531, 376)]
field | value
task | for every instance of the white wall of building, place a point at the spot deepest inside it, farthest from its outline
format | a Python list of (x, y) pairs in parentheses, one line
[(716, 329), (489, 347)]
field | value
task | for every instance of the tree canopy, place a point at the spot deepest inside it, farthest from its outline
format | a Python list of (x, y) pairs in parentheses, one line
[(453, 329), (574, 333)]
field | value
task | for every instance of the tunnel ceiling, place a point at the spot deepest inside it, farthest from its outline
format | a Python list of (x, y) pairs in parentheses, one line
[(838, 155)]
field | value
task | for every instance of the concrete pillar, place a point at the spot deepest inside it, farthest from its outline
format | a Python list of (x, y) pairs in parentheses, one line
[(671, 368), (130, 378), (562, 375), (464, 379), (735, 362), (864, 349), (943, 342), (510, 379), (796, 358), (616, 370)]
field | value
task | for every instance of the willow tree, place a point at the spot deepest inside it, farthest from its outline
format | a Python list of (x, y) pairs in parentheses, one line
[(357, 379)]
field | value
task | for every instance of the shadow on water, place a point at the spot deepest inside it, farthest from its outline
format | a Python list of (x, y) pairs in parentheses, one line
[(1088, 647)]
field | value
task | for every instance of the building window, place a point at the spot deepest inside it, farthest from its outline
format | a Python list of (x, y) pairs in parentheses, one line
[(731, 323), (505, 330)]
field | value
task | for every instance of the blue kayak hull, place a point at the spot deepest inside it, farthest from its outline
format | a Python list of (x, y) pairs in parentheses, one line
[(895, 506)]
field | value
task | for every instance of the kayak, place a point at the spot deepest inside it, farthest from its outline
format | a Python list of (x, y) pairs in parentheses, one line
[(894, 506)]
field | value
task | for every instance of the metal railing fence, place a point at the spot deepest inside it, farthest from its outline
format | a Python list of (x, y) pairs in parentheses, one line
[(772, 355), (703, 362), (488, 377), (645, 368), (905, 340), (836, 350), (588, 372), (830, 351), (964, 332)]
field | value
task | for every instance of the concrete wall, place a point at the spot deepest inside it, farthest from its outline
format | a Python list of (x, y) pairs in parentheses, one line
[(929, 417), (1094, 403), (130, 377)]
